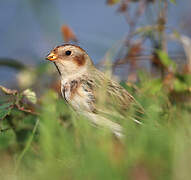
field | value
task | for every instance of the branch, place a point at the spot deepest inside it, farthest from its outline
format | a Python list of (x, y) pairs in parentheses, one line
[(12, 63)]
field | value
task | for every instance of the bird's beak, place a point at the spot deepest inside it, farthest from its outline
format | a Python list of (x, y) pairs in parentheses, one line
[(51, 57)]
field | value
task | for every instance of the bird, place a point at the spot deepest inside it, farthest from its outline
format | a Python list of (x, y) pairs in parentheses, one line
[(88, 90)]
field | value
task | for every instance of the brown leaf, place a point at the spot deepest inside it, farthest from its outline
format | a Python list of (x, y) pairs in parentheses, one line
[(156, 62), (132, 77), (123, 7), (134, 50), (180, 97), (186, 69), (8, 91), (161, 23), (168, 81), (68, 34), (112, 2)]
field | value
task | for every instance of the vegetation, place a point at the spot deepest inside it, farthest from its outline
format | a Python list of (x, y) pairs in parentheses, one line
[(41, 137)]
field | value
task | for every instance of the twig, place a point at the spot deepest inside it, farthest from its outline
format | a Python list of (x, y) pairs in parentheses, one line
[(8, 91), (12, 63), (26, 110)]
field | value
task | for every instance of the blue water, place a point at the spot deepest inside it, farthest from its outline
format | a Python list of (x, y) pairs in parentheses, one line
[(30, 28)]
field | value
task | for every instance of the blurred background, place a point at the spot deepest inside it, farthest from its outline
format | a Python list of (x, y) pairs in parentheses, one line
[(30, 28), (145, 44)]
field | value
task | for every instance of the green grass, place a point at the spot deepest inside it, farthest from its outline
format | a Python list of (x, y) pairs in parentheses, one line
[(60, 144)]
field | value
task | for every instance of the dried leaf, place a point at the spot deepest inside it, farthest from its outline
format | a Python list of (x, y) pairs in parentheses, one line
[(146, 30), (8, 91), (132, 77), (180, 96), (123, 7), (156, 62), (168, 81), (186, 69), (134, 50), (68, 34), (112, 2)]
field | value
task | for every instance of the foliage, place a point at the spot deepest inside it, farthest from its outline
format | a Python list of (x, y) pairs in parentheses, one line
[(41, 137), (52, 141)]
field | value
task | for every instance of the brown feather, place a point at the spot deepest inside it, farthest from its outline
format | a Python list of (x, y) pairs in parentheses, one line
[(79, 60)]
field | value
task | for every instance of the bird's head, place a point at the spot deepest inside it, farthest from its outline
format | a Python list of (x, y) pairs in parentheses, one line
[(70, 59)]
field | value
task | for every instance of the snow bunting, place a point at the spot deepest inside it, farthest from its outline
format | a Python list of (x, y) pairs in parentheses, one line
[(85, 88)]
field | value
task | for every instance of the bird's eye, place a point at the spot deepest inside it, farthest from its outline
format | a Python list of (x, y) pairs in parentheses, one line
[(67, 53)]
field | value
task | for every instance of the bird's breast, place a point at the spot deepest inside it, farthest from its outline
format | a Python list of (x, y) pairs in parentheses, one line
[(69, 89), (75, 95)]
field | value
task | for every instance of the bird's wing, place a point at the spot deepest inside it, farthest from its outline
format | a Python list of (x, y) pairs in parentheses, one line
[(125, 101), (108, 98), (93, 89), (103, 88)]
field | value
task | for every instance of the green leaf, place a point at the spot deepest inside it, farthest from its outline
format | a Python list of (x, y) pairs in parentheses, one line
[(180, 86), (173, 1), (5, 109), (155, 86), (7, 139), (4, 113), (187, 79), (6, 105), (166, 61)]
